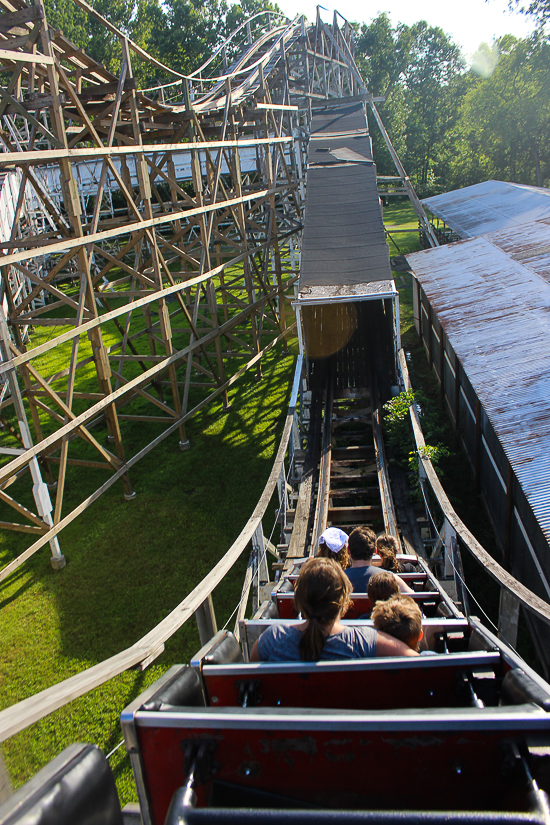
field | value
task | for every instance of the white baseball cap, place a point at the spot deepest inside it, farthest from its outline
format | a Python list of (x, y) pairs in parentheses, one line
[(334, 538)]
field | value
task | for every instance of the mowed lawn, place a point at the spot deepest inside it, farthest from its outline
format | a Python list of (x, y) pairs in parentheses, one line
[(130, 563)]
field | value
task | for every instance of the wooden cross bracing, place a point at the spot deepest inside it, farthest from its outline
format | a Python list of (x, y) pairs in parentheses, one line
[(151, 253)]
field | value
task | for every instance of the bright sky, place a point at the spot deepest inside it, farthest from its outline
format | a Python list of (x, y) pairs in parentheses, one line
[(469, 22)]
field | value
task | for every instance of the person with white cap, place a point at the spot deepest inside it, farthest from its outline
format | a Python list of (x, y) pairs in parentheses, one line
[(333, 544)]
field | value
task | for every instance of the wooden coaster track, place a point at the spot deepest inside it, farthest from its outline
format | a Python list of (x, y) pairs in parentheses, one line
[(352, 485), (199, 266)]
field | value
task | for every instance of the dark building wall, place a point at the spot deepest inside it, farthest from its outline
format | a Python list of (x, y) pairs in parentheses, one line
[(520, 538)]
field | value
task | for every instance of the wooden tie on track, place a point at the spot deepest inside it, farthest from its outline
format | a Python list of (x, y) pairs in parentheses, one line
[(348, 459)]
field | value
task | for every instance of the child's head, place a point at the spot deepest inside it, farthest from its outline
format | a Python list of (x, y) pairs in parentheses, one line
[(333, 544), (387, 547), (400, 617), (382, 586)]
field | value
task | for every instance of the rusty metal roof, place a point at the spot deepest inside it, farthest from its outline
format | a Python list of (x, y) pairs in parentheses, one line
[(528, 244), (496, 313), (489, 207)]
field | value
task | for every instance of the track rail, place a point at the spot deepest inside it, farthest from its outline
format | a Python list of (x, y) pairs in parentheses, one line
[(352, 477)]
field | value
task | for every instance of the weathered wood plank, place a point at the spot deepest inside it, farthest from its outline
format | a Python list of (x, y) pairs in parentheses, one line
[(28, 14), (303, 509), (24, 57), (43, 155)]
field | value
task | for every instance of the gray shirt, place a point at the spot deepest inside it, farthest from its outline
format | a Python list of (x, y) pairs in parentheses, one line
[(280, 643)]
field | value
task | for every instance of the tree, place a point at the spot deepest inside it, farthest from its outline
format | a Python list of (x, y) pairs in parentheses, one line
[(102, 45), (68, 18), (538, 9), (383, 54), (508, 113), (182, 33), (420, 72), (239, 12), (433, 92)]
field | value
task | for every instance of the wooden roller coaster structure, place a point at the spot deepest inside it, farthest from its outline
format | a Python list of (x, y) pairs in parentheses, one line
[(177, 290)]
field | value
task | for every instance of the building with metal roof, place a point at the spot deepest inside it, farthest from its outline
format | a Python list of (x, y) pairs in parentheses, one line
[(482, 307), (491, 206)]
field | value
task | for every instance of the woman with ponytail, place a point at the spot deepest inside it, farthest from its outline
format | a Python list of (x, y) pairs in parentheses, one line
[(323, 595)]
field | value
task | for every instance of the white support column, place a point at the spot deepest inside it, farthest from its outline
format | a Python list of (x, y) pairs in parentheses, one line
[(397, 321), (299, 330), (274, 280), (283, 498), (299, 166), (450, 536), (206, 620), (261, 572), (296, 440), (292, 252), (40, 488)]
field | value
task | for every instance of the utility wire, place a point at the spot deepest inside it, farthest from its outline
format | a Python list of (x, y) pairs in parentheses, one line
[(115, 749)]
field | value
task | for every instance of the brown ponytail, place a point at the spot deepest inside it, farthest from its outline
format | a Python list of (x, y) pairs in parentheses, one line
[(387, 547), (322, 595)]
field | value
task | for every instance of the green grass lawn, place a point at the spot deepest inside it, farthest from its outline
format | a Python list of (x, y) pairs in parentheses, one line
[(130, 563)]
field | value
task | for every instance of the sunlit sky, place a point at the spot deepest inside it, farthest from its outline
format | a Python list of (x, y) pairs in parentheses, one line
[(469, 22)]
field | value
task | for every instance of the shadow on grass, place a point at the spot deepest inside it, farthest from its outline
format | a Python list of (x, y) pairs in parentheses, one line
[(130, 563), (14, 593), (137, 560)]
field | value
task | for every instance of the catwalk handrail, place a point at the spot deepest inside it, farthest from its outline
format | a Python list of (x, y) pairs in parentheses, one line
[(526, 597), (18, 717)]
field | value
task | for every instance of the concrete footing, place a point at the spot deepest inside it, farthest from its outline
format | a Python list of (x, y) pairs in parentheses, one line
[(58, 562)]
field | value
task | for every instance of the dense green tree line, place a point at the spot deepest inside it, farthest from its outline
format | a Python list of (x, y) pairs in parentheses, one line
[(182, 34), (451, 125)]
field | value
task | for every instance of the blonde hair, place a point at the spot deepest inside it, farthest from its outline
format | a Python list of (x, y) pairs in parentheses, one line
[(387, 546), (401, 617), (322, 595), (382, 586), (341, 557)]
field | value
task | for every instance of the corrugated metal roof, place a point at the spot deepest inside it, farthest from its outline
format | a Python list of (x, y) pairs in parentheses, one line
[(496, 313), (489, 207), (528, 244)]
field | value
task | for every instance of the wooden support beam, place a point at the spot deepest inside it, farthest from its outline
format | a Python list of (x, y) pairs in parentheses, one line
[(508, 618), (206, 620)]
